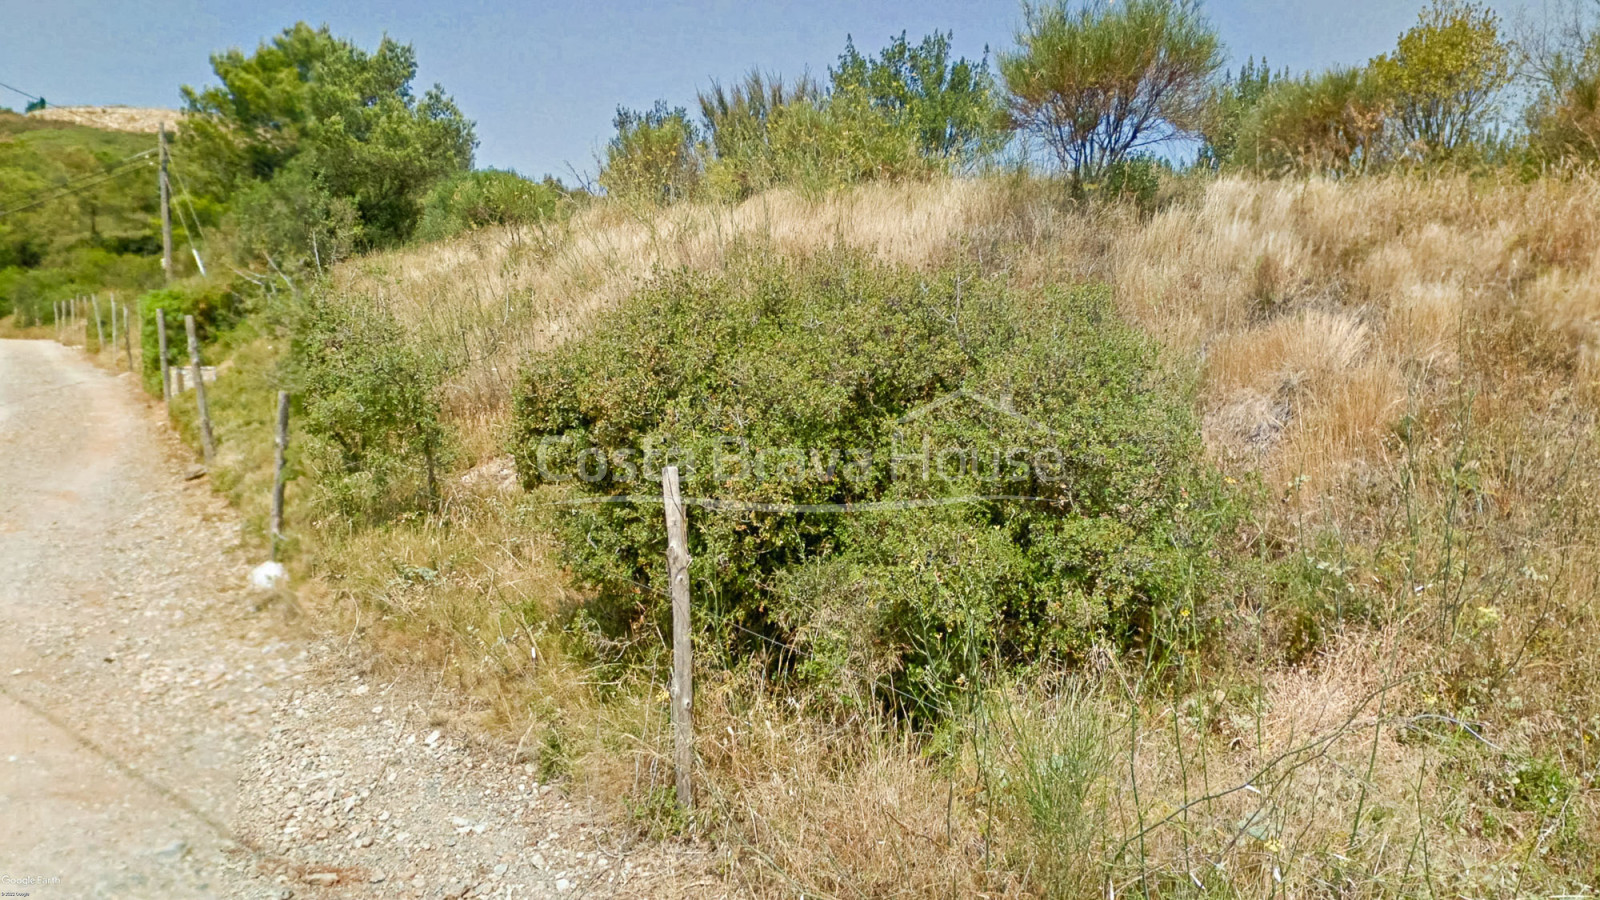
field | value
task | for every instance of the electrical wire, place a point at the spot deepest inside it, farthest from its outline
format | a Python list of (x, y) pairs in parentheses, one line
[(20, 91), (190, 203), (86, 176), (101, 178)]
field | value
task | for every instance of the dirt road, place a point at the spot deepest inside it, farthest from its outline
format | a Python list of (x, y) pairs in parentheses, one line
[(161, 737)]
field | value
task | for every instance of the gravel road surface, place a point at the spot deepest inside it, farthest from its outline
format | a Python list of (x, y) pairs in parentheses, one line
[(164, 734)]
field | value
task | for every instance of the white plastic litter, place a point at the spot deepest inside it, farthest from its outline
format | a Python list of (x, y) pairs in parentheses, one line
[(269, 575)]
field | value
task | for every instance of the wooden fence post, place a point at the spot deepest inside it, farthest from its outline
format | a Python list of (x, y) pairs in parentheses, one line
[(682, 693), (99, 332), (127, 336), (281, 444), (166, 377), (207, 443), (111, 302)]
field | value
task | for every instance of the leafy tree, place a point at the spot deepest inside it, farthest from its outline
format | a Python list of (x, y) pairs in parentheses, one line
[(736, 117), (1563, 119), (654, 156), (950, 104), (1330, 123), (253, 123), (763, 132), (1230, 105), (1097, 82), (1444, 77), (346, 120)]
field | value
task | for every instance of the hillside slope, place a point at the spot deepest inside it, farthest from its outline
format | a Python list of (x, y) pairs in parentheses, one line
[(1397, 376), (135, 119), (81, 212)]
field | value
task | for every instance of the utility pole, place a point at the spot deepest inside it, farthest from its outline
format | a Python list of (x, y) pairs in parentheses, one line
[(166, 207)]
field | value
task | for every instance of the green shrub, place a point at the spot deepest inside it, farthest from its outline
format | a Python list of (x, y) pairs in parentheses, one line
[(368, 411), (487, 197), (807, 139), (216, 305), (654, 156), (1333, 122), (935, 401), (1135, 180)]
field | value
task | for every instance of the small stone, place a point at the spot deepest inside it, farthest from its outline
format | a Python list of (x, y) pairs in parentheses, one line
[(366, 841), (377, 878), (501, 869), (172, 852), (563, 885), (455, 890), (195, 473), (323, 879)]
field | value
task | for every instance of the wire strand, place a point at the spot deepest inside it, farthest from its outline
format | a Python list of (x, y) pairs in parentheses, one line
[(102, 178)]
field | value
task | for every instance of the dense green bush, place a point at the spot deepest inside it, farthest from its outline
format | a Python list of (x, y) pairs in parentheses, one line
[(932, 400), (654, 156), (342, 127), (487, 197), (908, 112), (1333, 122), (372, 439), (216, 305)]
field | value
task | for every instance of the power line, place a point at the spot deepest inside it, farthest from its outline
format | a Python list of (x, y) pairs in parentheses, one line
[(111, 176), (88, 176), (20, 91)]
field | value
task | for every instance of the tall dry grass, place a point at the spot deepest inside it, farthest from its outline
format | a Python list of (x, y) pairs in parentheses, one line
[(1407, 365)]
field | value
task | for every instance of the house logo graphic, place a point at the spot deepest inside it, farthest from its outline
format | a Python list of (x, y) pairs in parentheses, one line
[(923, 473)]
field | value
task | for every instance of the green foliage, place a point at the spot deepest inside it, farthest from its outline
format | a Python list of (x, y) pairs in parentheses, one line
[(1563, 120), (820, 144), (841, 381), (368, 409), (737, 117), (472, 200), (1444, 77), (904, 113), (1097, 82), (1135, 180), (97, 229), (216, 304), (342, 125), (654, 156), (1331, 123), (949, 104), (1230, 105)]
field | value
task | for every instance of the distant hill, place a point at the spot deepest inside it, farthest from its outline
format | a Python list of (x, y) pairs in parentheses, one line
[(137, 119), (78, 207)]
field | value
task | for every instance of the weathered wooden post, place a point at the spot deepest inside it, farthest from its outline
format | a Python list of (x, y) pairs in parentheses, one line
[(161, 342), (127, 335), (682, 692), (112, 303), (207, 444), (280, 446), (99, 332)]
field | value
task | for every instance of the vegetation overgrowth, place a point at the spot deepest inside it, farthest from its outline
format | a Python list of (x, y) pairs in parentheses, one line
[(1314, 613)]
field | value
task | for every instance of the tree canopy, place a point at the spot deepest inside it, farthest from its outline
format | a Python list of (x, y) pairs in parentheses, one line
[(1099, 81), (1444, 76), (331, 119)]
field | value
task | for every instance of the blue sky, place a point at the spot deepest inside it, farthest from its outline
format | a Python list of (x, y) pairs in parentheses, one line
[(543, 80)]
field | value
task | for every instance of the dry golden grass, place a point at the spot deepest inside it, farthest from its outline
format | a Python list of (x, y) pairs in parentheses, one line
[(1408, 365)]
